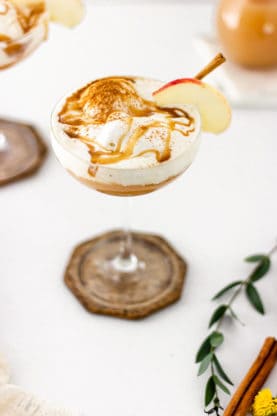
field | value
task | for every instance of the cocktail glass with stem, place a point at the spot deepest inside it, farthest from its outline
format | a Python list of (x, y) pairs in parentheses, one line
[(125, 273)]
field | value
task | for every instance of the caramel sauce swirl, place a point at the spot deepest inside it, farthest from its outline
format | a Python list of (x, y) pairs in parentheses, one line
[(117, 98), (4, 38), (30, 16)]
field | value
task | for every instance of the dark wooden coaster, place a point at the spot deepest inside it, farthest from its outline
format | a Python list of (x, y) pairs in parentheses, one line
[(154, 287), (24, 154)]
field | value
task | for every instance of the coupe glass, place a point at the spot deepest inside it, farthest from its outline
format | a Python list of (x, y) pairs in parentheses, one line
[(11, 52), (122, 268)]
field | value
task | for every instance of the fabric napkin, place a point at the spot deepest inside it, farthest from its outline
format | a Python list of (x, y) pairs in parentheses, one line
[(16, 402)]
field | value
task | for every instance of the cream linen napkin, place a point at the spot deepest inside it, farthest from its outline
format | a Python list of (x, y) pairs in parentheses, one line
[(244, 87), (16, 402), (4, 371)]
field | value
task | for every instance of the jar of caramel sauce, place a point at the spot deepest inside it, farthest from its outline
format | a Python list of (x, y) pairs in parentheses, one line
[(247, 31)]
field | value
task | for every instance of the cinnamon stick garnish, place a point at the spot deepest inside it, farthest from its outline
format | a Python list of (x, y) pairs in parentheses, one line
[(218, 60), (254, 380)]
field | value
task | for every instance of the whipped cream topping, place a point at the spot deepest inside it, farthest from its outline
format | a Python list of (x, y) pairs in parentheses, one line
[(114, 123)]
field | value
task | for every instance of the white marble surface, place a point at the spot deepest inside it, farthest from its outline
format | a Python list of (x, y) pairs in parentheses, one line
[(223, 209)]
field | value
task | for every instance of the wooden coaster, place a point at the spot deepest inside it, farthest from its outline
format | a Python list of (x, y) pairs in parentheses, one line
[(154, 286), (24, 154)]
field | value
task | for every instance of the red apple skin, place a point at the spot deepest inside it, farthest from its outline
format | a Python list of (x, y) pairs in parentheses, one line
[(178, 81), (210, 122)]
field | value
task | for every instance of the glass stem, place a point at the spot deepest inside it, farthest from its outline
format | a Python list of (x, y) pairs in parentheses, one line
[(126, 261), (4, 144), (126, 246)]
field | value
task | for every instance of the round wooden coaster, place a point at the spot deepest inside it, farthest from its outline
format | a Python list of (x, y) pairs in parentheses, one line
[(155, 286), (24, 153)]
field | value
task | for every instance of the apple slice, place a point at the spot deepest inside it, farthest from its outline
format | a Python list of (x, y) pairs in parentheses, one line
[(213, 107), (67, 12)]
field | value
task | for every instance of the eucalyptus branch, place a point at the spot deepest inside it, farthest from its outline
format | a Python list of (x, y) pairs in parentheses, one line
[(206, 355)]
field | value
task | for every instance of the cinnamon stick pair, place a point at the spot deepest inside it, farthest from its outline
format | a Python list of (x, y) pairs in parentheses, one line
[(254, 380)]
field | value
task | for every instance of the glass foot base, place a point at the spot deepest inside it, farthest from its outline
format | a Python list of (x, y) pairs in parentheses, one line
[(21, 151), (150, 280)]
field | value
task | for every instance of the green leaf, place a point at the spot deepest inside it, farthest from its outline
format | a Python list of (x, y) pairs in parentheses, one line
[(204, 350), (218, 314), (261, 270), (216, 339), (254, 298), (205, 364), (255, 258), (220, 371), (210, 391), (226, 289), (219, 383)]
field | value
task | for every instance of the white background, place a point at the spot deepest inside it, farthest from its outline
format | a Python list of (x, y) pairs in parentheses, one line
[(136, 2), (223, 209)]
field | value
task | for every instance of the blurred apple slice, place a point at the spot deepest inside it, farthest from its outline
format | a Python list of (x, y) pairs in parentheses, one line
[(213, 107), (67, 12)]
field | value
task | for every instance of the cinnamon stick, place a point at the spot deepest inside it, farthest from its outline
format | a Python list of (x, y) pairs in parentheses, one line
[(257, 384), (254, 380), (218, 60)]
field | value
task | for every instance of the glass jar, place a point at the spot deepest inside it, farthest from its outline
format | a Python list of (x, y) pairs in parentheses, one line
[(247, 31)]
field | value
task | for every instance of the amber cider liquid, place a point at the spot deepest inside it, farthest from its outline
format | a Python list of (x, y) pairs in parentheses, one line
[(247, 30)]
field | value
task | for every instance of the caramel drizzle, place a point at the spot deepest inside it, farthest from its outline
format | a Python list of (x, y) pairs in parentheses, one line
[(4, 38), (32, 19), (97, 104)]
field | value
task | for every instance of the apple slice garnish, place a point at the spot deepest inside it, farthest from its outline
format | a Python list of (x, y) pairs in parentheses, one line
[(67, 12), (213, 107)]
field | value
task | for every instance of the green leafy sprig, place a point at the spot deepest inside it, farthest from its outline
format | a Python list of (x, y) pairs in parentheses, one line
[(207, 354)]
